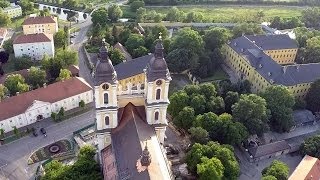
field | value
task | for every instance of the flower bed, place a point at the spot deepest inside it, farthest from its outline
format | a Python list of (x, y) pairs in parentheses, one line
[(51, 150)]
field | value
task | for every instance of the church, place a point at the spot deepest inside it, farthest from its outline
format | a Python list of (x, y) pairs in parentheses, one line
[(131, 101)]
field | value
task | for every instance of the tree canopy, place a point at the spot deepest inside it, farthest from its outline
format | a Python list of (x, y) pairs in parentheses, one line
[(64, 74), (280, 102), (210, 169), (311, 147), (114, 12), (4, 19), (313, 97), (251, 110), (60, 39), (36, 77), (247, 28), (223, 153), (3, 91), (99, 16), (15, 83), (277, 169)]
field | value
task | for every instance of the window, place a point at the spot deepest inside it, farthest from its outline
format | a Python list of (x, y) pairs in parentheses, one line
[(158, 94), (106, 98), (106, 120), (156, 116), (105, 86)]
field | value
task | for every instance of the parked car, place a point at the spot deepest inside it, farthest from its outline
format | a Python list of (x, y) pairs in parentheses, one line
[(34, 132)]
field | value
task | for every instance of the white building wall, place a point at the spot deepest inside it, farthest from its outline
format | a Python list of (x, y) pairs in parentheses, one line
[(34, 50), (30, 116)]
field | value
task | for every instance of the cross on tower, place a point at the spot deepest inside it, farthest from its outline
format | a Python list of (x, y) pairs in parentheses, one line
[(160, 37)]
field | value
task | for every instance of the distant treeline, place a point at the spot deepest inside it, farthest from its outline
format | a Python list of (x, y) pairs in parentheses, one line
[(240, 2)]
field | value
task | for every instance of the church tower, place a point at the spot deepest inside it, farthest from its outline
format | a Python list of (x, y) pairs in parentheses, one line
[(156, 92), (105, 91)]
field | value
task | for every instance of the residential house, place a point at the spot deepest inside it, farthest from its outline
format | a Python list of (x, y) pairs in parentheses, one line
[(33, 45), (29, 107), (268, 150), (13, 11), (267, 60), (40, 24)]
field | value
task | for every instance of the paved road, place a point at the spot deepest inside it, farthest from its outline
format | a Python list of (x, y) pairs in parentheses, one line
[(15, 154)]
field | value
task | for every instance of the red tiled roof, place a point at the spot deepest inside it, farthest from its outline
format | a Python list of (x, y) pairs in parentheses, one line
[(31, 38), (24, 73), (38, 20), (74, 70), (52, 93)]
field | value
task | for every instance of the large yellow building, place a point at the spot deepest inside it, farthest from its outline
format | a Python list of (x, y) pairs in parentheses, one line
[(13, 11), (267, 60), (40, 24)]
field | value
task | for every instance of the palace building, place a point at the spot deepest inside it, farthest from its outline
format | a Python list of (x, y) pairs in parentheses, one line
[(267, 60), (131, 105)]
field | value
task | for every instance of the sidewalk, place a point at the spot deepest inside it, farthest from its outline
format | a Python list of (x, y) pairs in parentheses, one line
[(48, 121)]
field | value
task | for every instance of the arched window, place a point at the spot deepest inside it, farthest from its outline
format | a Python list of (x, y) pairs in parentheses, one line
[(106, 120), (106, 98), (158, 94), (156, 116)]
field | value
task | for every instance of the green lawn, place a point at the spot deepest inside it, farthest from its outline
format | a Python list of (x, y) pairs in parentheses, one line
[(234, 14), (178, 82), (218, 75)]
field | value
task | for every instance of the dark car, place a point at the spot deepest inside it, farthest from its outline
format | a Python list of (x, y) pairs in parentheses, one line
[(34, 132), (43, 131)]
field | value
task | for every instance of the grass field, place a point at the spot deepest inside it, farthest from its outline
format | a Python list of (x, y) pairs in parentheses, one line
[(237, 14), (218, 75)]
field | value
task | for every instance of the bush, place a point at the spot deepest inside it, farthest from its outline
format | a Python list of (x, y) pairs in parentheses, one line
[(135, 5), (54, 116), (82, 104)]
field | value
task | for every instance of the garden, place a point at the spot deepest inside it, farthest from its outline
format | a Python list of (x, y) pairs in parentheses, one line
[(55, 149)]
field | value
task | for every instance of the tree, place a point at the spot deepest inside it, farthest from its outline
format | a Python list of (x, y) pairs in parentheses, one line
[(277, 169), (66, 57), (269, 177), (15, 130), (99, 16), (60, 39), (4, 4), (175, 15), (230, 99), (4, 19), (184, 54), (194, 17), (117, 56), (252, 112), (247, 28), (210, 169), (27, 7), (311, 17), (216, 37), (140, 51), (224, 153), (82, 104), (4, 57), (15, 83), (70, 3), (36, 77), (114, 12), (280, 102), (141, 14), (311, 147), (3, 91), (185, 118), (199, 135), (54, 116), (178, 101), (216, 105), (134, 41), (8, 46), (1, 132), (313, 97), (65, 74), (44, 12), (135, 5), (23, 62)]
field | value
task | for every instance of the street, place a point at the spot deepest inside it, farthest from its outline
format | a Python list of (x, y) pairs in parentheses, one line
[(16, 154)]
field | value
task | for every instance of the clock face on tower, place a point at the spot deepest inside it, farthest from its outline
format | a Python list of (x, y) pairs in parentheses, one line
[(105, 87), (159, 82)]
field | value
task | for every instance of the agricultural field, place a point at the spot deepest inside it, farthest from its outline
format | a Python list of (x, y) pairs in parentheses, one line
[(236, 14)]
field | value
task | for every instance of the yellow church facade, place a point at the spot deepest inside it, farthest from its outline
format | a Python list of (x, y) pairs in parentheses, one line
[(267, 60)]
